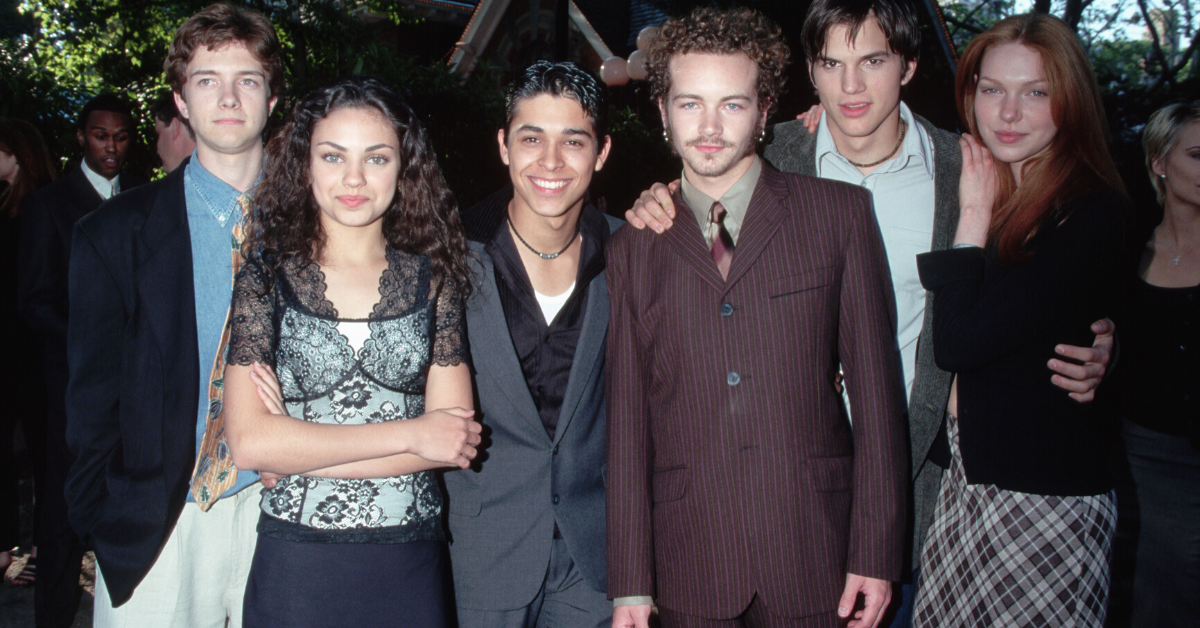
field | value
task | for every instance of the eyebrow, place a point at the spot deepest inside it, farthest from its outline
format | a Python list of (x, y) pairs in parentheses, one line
[(725, 99), (100, 127), (537, 129), (882, 52), (239, 73), (343, 148), (983, 78)]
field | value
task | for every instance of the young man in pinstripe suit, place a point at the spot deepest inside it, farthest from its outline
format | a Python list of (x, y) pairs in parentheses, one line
[(737, 494), (861, 53)]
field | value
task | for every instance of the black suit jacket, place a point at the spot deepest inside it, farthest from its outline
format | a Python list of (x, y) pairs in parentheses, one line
[(47, 217), (132, 394)]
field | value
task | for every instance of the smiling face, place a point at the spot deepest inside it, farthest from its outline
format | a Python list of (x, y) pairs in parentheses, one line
[(551, 151), (1012, 105), (712, 115), (355, 167), (859, 81), (1180, 168), (105, 140), (226, 99)]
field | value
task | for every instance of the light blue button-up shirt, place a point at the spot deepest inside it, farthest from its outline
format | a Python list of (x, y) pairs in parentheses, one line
[(212, 211)]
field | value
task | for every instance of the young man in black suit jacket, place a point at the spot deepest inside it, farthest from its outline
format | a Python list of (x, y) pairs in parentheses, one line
[(151, 280), (105, 132)]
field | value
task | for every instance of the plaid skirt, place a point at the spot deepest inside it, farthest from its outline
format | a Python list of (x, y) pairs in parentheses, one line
[(1001, 558)]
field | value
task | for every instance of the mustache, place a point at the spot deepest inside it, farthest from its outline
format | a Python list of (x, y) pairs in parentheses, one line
[(714, 141)]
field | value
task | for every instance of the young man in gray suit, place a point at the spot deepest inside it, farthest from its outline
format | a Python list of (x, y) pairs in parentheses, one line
[(527, 527), (860, 54)]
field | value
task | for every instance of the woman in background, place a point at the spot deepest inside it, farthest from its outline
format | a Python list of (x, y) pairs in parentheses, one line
[(25, 166), (1157, 387), (1022, 531)]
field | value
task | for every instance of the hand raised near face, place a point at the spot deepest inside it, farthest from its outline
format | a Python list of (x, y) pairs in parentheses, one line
[(977, 188)]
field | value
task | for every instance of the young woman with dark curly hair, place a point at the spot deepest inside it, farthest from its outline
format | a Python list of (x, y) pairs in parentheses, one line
[(348, 317)]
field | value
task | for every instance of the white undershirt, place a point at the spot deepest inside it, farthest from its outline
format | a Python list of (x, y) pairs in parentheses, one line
[(552, 304)]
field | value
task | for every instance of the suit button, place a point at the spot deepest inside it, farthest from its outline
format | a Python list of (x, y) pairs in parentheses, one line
[(555, 500), (733, 379), (555, 452), (727, 309)]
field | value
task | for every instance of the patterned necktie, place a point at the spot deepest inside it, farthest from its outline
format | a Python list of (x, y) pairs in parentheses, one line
[(722, 242), (214, 473)]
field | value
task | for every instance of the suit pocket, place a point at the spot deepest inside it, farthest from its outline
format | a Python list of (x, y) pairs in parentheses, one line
[(669, 484), (803, 282), (831, 474), (465, 500)]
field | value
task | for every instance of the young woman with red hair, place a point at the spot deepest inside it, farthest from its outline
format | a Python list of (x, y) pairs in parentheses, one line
[(1022, 531)]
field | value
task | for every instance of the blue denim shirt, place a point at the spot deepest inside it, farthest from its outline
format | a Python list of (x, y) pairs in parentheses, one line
[(212, 211)]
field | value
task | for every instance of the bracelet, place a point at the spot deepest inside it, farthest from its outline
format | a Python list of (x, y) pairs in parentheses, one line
[(966, 245)]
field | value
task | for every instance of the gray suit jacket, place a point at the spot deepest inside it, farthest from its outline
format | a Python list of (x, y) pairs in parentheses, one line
[(793, 149), (503, 509)]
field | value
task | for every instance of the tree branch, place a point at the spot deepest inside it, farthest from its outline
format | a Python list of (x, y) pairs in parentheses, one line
[(1156, 43), (963, 25)]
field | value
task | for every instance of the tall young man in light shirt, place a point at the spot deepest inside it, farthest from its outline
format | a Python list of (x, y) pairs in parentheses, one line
[(151, 280), (860, 55)]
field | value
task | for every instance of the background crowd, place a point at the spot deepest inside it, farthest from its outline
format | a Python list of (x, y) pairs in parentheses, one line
[(1151, 287)]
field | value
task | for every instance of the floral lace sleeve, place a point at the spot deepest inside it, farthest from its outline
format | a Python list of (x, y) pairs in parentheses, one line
[(450, 342), (252, 324)]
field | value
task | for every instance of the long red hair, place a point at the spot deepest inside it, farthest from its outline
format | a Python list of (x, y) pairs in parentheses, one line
[(1077, 159)]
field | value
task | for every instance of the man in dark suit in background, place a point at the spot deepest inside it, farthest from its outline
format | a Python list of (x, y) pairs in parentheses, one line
[(175, 141), (738, 494), (527, 521), (106, 131)]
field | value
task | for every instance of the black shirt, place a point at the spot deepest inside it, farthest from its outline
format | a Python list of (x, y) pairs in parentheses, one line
[(546, 349), (1158, 380), (996, 326)]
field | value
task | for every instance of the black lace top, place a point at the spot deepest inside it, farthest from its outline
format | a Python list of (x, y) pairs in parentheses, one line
[(325, 379)]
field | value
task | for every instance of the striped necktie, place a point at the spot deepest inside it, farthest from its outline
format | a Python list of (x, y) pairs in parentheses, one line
[(722, 242)]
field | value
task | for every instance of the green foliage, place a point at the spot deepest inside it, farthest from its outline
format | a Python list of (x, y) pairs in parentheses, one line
[(55, 54)]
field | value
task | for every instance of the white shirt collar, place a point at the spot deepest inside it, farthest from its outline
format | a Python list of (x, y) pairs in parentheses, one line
[(916, 145), (104, 187)]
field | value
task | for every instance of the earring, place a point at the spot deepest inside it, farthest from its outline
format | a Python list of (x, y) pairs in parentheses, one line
[(666, 138), (762, 135)]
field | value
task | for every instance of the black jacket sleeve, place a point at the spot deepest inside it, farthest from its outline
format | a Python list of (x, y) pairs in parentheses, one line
[(973, 327)]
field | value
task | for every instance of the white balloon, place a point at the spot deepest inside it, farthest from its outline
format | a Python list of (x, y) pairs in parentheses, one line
[(614, 71), (637, 65), (646, 36)]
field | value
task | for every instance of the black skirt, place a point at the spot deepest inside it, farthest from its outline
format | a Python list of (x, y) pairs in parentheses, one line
[(327, 585)]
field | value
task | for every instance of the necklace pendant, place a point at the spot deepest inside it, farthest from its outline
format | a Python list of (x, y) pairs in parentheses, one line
[(1176, 260)]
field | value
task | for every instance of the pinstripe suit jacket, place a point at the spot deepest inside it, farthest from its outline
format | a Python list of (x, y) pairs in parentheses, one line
[(731, 470)]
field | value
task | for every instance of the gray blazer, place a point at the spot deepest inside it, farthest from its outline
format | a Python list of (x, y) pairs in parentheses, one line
[(502, 511), (793, 149)]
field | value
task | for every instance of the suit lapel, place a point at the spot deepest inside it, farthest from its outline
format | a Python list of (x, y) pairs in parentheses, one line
[(164, 270), (686, 237), (87, 198), (763, 217), (589, 352), (487, 330)]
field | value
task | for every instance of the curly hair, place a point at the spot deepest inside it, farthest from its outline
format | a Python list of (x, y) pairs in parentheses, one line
[(714, 31), (217, 26), (422, 218)]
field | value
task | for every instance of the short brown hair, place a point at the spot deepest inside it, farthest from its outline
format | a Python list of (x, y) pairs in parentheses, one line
[(220, 25), (713, 31), (896, 19)]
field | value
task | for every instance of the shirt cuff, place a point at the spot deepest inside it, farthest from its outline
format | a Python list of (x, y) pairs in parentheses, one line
[(633, 600)]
